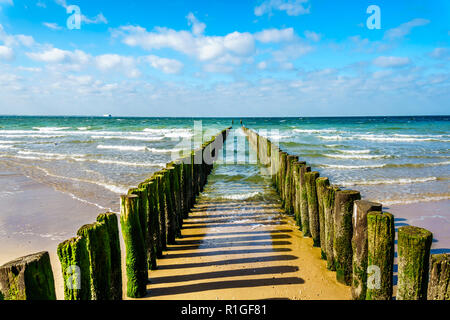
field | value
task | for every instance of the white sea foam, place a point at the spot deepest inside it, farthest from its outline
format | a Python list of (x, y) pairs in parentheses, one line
[(137, 138), (315, 130), (123, 148), (354, 151), (241, 196), (389, 202), (357, 156), (50, 129), (387, 181), (338, 166)]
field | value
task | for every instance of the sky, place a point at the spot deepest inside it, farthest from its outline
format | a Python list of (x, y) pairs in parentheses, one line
[(221, 58)]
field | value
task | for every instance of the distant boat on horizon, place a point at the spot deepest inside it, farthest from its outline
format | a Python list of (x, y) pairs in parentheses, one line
[(107, 115)]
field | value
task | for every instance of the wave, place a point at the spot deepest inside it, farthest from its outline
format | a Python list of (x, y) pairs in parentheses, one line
[(428, 198), (315, 130), (388, 181), (354, 151), (5, 147), (385, 138), (242, 196), (50, 129), (149, 139), (357, 156), (385, 165), (123, 148), (171, 133), (131, 164)]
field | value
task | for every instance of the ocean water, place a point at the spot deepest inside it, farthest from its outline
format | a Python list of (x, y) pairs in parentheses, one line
[(95, 159)]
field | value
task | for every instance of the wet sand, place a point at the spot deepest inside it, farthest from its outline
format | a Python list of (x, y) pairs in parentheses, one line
[(242, 249), (34, 217)]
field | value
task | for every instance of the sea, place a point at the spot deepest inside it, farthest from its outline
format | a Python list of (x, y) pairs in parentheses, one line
[(392, 160)]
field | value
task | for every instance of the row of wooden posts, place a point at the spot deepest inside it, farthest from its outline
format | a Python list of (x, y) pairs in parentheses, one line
[(151, 217), (355, 236)]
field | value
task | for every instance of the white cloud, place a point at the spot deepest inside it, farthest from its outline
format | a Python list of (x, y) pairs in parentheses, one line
[(389, 62), (404, 29), (197, 26), (100, 18), (275, 35), (313, 36), (6, 53), (52, 25), (292, 7), (15, 40), (170, 66), (55, 55), (115, 62), (262, 65)]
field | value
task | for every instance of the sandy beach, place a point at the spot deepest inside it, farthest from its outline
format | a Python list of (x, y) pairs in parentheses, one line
[(35, 217), (228, 250)]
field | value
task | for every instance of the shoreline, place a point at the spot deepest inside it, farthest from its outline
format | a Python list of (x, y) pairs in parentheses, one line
[(41, 226)]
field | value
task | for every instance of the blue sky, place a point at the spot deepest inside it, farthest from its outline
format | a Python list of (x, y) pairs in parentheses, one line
[(225, 58)]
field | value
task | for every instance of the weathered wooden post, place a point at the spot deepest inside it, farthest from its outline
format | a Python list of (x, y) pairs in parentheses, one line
[(171, 225), (313, 206), (112, 227), (304, 212), (74, 259), (296, 185), (328, 207), (321, 185), (359, 246), (136, 260), (142, 194), (282, 176), (28, 278), (380, 255), (288, 184), (439, 283), (413, 261), (343, 231), (99, 253), (153, 224), (162, 243)]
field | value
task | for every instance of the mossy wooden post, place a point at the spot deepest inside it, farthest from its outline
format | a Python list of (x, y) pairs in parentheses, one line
[(28, 278), (380, 255), (313, 206), (136, 257), (162, 243), (439, 282), (296, 186), (304, 212), (328, 207), (413, 249), (359, 246), (172, 174), (142, 194), (153, 224), (321, 185), (73, 256), (171, 223), (112, 226), (288, 185), (343, 232), (282, 174), (99, 253)]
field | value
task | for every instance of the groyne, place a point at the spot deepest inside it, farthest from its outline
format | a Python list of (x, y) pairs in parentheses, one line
[(355, 236), (151, 217)]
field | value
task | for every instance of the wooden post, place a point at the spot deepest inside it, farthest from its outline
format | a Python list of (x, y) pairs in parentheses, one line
[(288, 182), (359, 246), (153, 224), (413, 261), (142, 194), (112, 227), (74, 259), (28, 278), (304, 212), (439, 283), (162, 243), (99, 253), (342, 243), (321, 185), (328, 207), (380, 255), (313, 207), (136, 260), (296, 182)]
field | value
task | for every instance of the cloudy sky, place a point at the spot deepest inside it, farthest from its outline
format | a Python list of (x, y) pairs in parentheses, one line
[(224, 58)]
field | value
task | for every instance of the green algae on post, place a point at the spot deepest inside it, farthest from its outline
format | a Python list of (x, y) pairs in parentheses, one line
[(359, 246), (136, 257), (343, 231), (313, 208), (99, 254), (439, 283), (304, 212), (73, 256), (152, 225), (28, 278), (414, 245), (112, 226), (321, 185), (380, 255), (328, 208)]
